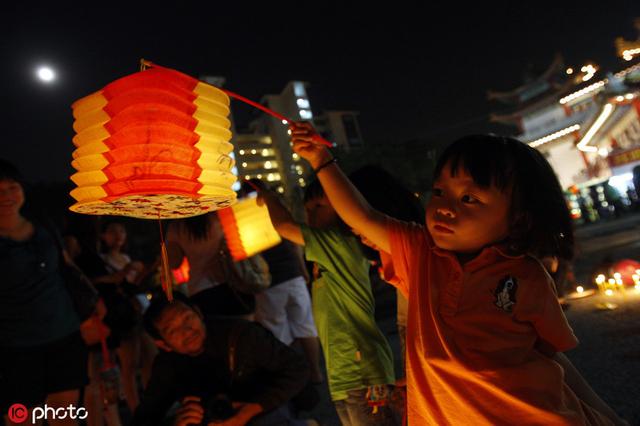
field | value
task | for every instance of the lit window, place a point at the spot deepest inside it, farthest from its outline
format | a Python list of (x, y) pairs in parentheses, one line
[(298, 89), (305, 114), (303, 103)]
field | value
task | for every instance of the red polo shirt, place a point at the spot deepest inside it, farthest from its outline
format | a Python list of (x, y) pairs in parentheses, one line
[(477, 335)]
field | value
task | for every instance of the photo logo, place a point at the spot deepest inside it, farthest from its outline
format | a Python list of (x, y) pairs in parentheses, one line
[(18, 413)]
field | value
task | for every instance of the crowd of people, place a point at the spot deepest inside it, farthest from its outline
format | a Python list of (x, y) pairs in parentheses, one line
[(482, 330)]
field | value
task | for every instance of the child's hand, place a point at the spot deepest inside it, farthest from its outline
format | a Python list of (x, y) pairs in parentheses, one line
[(302, 136)]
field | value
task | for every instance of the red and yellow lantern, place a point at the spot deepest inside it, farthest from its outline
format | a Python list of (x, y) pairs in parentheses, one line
[(247, 228), (154, 144)]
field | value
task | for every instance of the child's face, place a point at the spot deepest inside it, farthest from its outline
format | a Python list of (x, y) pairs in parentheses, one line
[(464, 217), (320, 213), (114, 236)]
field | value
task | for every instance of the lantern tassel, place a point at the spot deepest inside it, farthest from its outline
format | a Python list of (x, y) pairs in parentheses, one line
[(165, 271), (315, 138)]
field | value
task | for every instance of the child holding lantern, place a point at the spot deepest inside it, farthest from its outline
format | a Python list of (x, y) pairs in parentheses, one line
[(485, 331), (357, 355)]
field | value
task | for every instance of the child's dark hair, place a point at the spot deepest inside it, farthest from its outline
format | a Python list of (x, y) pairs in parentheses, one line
[(196, 227), (540, 222), (10, 172), (158, 305), (313, 190)]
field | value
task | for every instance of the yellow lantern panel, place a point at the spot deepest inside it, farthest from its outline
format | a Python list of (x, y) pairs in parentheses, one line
[(247, 228)]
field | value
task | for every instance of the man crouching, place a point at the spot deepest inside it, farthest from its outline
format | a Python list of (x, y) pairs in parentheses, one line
[(223, 371)]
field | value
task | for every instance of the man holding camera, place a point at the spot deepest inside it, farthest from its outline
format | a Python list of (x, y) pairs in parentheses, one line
[(224, 371)]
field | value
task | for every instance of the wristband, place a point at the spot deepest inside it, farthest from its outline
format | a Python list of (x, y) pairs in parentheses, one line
[(328, 163)]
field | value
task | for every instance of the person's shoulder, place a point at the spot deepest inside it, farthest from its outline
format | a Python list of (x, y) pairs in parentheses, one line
[(529, 271), (333, 236), (411, 234)]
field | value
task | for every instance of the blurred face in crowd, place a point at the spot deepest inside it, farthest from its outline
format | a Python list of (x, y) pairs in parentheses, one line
[(320, 213), (11, 198), (465, 217), (182, 330), (115, 236)]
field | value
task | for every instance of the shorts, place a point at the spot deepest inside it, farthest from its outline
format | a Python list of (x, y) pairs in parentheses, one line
[(285, 309), (28, 375)]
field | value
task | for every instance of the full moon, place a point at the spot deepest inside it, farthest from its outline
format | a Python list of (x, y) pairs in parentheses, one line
[(46, 74)]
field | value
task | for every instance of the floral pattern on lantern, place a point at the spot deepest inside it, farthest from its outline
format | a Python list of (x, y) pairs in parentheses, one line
[(154, 144)]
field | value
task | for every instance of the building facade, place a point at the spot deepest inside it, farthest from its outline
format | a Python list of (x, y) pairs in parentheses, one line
[(586, 122)]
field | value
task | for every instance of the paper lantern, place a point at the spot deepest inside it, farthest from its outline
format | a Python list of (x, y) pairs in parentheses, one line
[(154, 144), (181, 274), (247, 228), (627, 269)]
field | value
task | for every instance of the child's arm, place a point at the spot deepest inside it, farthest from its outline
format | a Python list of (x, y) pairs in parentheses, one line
[(344, 197), (581, 388), (281, 219)]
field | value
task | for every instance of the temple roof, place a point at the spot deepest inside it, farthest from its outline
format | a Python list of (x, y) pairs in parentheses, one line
[(547, 82)]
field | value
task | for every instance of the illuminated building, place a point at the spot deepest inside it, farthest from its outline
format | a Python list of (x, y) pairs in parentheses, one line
[(584, 120)]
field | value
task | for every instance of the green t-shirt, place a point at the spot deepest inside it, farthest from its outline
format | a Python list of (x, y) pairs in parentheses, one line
[(356, 352)]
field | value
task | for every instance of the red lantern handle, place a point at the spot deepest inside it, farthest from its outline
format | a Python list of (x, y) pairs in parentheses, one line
[(316, 138)]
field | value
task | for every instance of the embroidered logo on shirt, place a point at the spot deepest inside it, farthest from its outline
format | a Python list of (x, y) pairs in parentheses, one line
[(506, 294)]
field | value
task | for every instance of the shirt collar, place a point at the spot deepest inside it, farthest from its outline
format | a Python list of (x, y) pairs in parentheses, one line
[(503, 249)]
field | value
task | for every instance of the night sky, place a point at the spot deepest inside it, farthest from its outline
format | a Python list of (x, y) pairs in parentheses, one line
[(411, 72)]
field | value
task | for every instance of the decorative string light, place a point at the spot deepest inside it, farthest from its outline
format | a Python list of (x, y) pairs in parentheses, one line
[(604, 114), (554, 136)]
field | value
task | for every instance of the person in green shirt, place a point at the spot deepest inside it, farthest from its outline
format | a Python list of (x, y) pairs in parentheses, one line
[(358, 357)]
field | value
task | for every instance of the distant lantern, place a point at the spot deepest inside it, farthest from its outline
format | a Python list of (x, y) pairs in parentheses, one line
[(181, 274), (247, 228), (154, 144)]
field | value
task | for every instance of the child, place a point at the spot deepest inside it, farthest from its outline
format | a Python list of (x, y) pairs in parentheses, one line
[(485, 330), (358, 357), (136, 348)]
